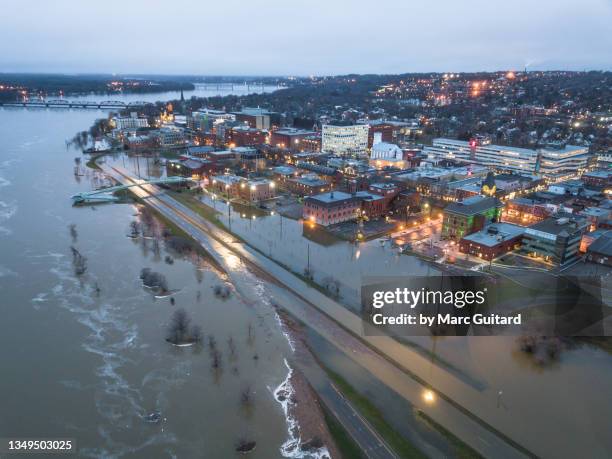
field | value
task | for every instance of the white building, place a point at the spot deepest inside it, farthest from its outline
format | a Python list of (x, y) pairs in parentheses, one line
[(384, 150), (349, 140), (130, 122), (560, 163), (551, 163)]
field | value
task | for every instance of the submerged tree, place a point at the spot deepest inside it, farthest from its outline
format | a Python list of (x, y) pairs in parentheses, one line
[(79, 262), (154, 280), (180, 331), (73, 232)]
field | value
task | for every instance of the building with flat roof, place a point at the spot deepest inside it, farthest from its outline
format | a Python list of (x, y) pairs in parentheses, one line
[(599, 178), (129, 122), (524, 211), (492, 241), (553, 163), (257, 190), (330, 208), (241, 136), (470, 215), (290, 138), (350, 140), (205, 119), (307, 185), (555, 240)]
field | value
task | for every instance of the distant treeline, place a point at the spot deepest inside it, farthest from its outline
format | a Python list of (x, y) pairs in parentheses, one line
[(55, 84)]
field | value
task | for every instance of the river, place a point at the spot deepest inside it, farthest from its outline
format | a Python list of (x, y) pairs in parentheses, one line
[(90, 364)]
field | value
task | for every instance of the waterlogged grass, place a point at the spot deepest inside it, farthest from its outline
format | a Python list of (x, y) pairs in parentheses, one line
[(373, 415), (461, 449), (188, 199), (348, 448)]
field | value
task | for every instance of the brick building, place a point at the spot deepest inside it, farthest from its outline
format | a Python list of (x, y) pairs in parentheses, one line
[(492, 241), (470, 215)]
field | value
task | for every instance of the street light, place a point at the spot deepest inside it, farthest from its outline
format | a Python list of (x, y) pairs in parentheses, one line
[(429, 396)]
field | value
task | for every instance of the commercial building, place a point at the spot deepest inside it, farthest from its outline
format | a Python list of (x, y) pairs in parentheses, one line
[(257, 190), (258, 118), (227, 184), (345, 140), (492, 241), (470, 215), (205, 119), (250, 158), (244, 136), (307, 185), (190, 167), (524, 211), (331, 208), (600, 251), (170, 136), (558, 161), (283, 173), (130, 122), (553, 162), (598, 178), (555, 240), (291, 138), (311, 143)]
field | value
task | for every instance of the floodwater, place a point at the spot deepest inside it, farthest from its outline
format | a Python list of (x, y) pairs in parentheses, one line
[(555, 408), (85, 357)]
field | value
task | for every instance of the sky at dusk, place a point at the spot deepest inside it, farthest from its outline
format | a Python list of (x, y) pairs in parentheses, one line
[(271, 37)]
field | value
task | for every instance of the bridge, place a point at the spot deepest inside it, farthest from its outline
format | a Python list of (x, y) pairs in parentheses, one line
[(106, 194), (62, 103)]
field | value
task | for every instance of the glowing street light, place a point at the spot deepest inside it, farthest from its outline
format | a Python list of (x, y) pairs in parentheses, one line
[(429, 396)]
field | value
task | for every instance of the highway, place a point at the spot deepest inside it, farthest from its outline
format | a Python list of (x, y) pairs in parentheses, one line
[(380, 355)]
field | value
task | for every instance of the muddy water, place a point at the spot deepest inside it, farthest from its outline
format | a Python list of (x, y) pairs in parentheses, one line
[(85, 357)]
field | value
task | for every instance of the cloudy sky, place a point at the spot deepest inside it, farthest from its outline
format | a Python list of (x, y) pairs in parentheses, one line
[(295, 37)]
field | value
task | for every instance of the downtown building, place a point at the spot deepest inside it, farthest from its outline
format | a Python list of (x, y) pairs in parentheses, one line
[(553, 163), (345, 140), (555, 240)]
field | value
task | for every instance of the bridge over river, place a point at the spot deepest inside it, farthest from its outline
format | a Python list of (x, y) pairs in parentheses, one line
[(63, 103)]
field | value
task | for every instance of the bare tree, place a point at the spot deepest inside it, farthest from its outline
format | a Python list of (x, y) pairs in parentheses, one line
[(73, 232), (246, 397), (179, 327), (134, 229), (196, 334), (79, 262), (232, 348)]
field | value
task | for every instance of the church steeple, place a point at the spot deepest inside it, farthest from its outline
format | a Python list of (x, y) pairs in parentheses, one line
[(488, 186)]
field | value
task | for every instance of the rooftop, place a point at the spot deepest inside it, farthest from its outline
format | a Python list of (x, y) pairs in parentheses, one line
[(555, 226), (293, 131), (495, 233), (473, 205), (603, 244), (284, 170), (331, 197)]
